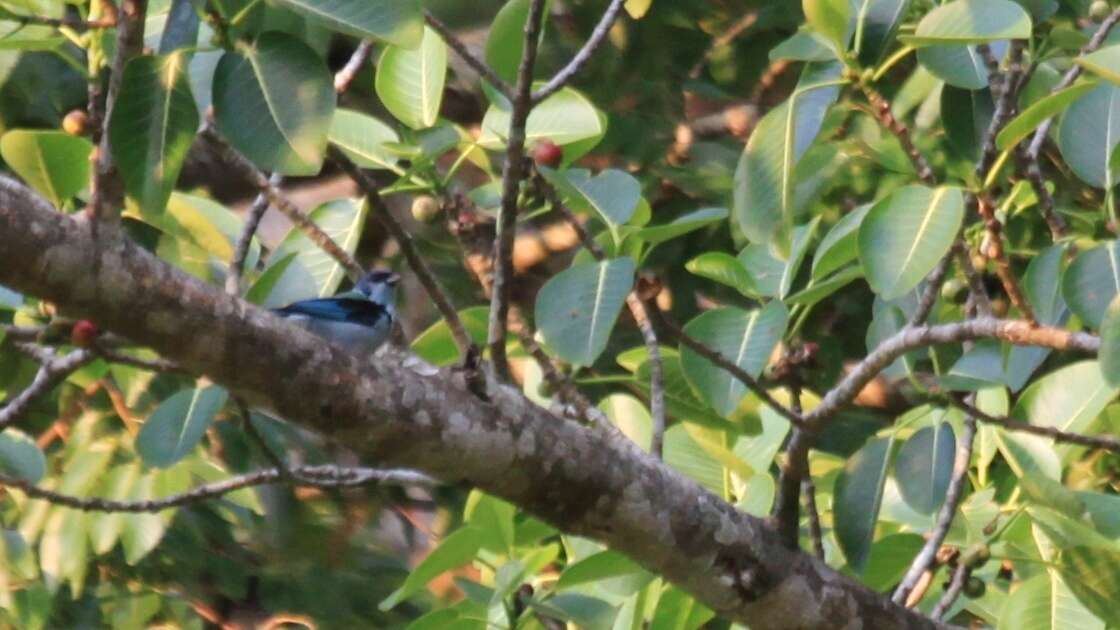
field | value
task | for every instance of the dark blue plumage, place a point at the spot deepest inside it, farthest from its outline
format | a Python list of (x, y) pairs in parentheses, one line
[(360, 319)]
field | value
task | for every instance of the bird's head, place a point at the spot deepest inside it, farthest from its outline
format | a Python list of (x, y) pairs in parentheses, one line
[(379, 286)]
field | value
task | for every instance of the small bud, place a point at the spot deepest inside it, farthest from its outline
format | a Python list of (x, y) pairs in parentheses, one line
[(1099, 10), (83, 333), (76, 123), (425, 208)]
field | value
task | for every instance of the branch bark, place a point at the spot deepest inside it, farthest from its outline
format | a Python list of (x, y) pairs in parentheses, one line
[(399, 411)]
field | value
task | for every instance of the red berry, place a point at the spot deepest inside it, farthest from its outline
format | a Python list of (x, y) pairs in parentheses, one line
[(83, 333), (548, 153)]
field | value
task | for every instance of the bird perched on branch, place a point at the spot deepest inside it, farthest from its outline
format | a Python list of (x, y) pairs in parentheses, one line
[(360, 319)]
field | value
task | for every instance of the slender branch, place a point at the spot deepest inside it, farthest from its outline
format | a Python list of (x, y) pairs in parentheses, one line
[(809, 489), (561, 78), (787, 505), (512, 173), (925, 559), (977, 292), (1029, 157), (568, 392), (107, 188), (245, 240), (261, 181), (326, 476), (479, 66), (1104, 442), (1016, 332), (344, 77), (640, 312), (63, 22), (956, 585), (928, 299), (881, 109), (51, 371), (404, 241)]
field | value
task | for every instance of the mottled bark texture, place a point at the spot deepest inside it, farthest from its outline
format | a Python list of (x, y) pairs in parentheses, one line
[(397, 410)]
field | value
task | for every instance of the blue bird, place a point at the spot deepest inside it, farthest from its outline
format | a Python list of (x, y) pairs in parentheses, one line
[(359, 320)]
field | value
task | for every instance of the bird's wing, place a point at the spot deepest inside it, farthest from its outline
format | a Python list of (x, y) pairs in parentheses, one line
[(351, 310)]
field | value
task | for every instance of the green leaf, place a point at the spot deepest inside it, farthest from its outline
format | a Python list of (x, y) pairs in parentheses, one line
[(1092, 281), (802, 236), (764, 199), (746, 338), (905, 235), (178, 424), (506, 39), (959, 66), (565, 118), (692, 221), (1110, 344), (64, 549), (630, 416), (1045, 601), (1088, 134), (612, 195), (142, 532), (274, 100), (21, 457), (454, 551), (577, 308), (803, 46), (1104, 63), (876, 24), (818, 289), (966, 115), (600, 566), (677, 610), (105, 529), (889, 560), (685, 454), (924, 467), (362, 138), (152, 127), (54, 163), (829, 18), (841, 245), (436, 345), (410, 82), (1048, 106), (766, 271), (724, 269), (313, 272), (398, 22), (859, 494), (493, 518), (1093, 574), (971, 22)]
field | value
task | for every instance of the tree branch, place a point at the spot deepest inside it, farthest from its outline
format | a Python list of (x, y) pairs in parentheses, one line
[(956, 585), (344, 77), (512, 173), (245, 240), (1104, 442), (561, 78), (481, 67), (399, 411), (326, 476), (51, 372)]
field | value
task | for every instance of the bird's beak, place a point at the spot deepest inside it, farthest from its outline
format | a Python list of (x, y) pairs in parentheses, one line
[(393, 279)]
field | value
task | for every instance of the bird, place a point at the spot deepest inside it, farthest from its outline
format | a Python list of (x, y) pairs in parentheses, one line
[(359, 319)]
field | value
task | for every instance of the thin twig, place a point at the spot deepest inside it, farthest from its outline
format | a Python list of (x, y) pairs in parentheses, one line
[(956, 585), (404, 241), (925, 559), (51, 371), (561, 78), (881, 109), (928, 298), (728, 35), (809, 490), (245, 240), (1029, 157), (260, 180), (1016, 332), (107, 187), (640, 312), (479, 66), (787, 505), (512, 173), (563, 386), (344, 77), (1104, 442), (325, 476)]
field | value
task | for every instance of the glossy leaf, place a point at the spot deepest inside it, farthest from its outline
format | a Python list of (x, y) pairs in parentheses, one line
[(829, 18), (966, 115), (1088, 134), (612, 195), (1092, 281), (152, 127), (905, 235), (54, 163), (1045, 601), (764, 179), (747, 338), (722, 268), (274, 100), (1069, 398), (565, 118), (876, 24), (804, 46), (410, 82), (972, 22), (436, 345), (959, 66), (1104, 63), (453, 551), (312, 272), (818, 289), (690, 222), (506, 39), (577, 308), (21, 457), (398, 22), (1048, 106), (859, 494), (767, 272), (600, 566), (363, 139), (178, 424), (840, 245), (925, 465), (1093, 574)]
